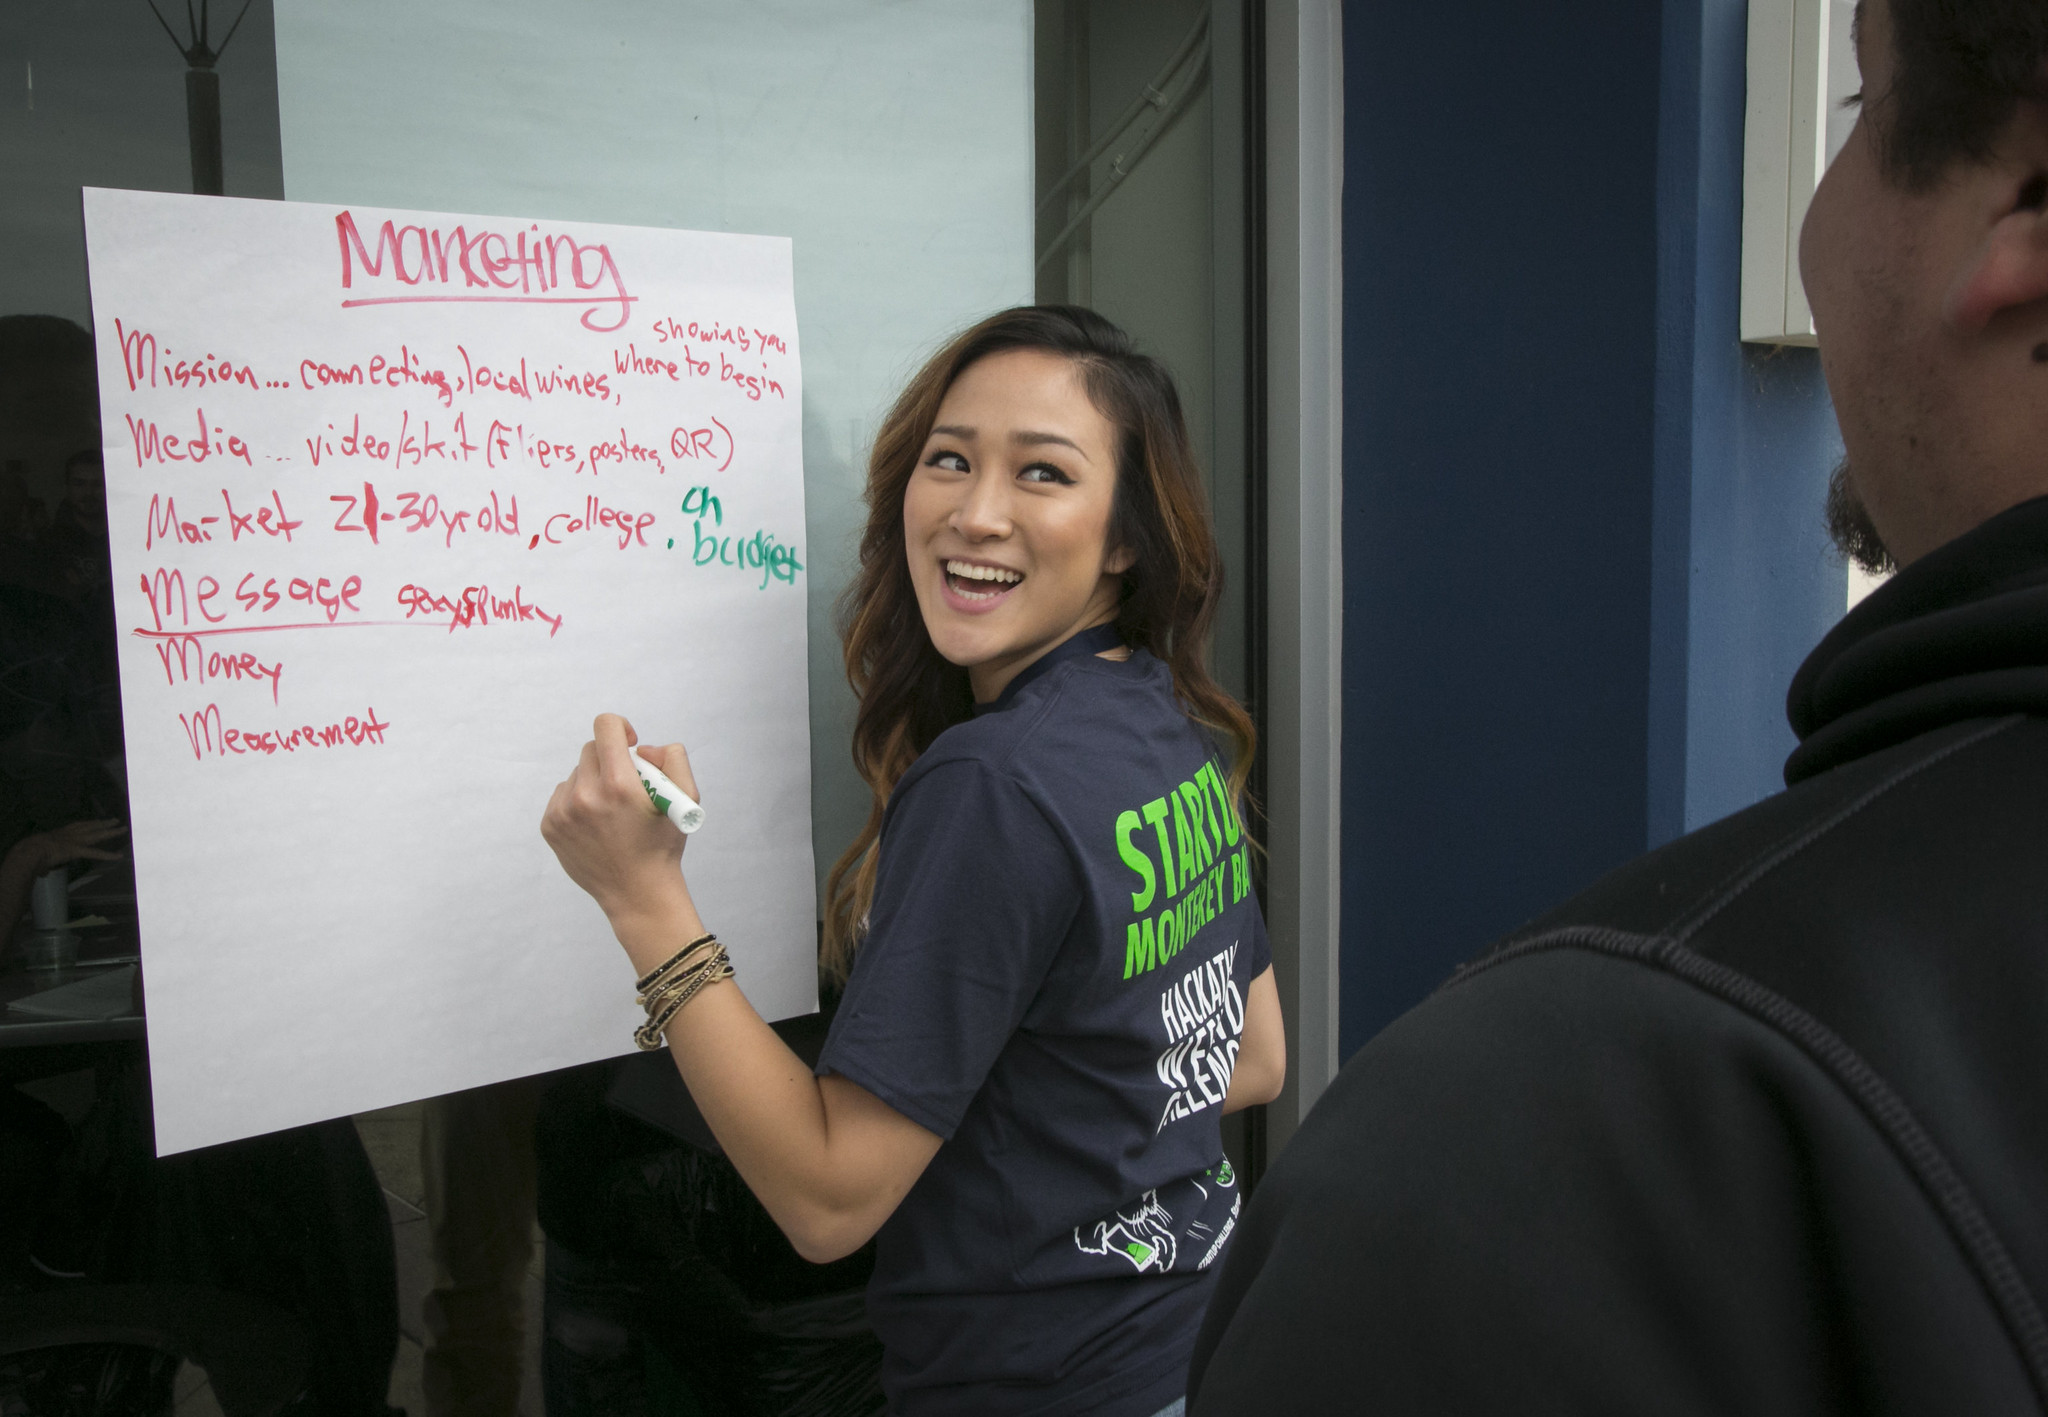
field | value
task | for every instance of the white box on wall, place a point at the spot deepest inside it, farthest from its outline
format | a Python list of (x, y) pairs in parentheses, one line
[(1802, 66)]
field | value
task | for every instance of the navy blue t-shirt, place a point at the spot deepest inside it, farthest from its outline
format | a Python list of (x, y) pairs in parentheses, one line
[(1054, 980)]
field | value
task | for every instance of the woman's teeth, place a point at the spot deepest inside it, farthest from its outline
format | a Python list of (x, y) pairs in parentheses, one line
[(979, 582)]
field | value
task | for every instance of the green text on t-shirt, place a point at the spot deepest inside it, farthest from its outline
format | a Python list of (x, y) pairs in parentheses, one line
[(1201, 855)]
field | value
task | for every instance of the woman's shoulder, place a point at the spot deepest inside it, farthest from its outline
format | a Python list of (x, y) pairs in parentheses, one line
[(1083, 716), (975, 747)]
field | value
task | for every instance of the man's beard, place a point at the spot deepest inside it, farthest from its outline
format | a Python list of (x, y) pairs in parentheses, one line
[(1850, 527)]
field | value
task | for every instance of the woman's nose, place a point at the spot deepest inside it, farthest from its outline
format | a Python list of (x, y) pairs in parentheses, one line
[(983, 511)]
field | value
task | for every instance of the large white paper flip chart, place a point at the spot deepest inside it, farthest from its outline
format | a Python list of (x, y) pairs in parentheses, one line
[(398, 501)]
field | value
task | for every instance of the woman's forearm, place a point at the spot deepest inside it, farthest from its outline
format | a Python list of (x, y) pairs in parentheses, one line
[(827, 1160), (1261, 1068)]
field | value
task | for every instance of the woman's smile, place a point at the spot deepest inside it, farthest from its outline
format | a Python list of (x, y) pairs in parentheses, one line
[(979, 587)]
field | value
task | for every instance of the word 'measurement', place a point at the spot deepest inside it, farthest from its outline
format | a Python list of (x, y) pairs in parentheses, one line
[(209, 734)]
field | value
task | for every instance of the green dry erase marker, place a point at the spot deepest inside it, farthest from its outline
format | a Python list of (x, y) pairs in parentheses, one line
[(668, 799)]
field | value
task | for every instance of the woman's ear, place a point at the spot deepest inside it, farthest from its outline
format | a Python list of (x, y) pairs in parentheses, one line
[(1118, 561)]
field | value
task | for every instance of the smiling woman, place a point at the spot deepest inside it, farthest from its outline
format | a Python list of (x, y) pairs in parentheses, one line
[(1036, 372), (1006, 519), (1044, 1017)]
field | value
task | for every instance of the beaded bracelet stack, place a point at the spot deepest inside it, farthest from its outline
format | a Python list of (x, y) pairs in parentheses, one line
[(664, 990)]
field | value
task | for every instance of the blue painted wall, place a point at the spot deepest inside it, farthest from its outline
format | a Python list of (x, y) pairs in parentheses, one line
[(1500, 288), (1744, 584), (1582, 546)]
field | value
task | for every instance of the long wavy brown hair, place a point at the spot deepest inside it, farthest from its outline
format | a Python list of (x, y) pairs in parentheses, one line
[(908, 694)]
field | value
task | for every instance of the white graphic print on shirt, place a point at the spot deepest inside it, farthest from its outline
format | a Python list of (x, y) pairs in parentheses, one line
[(1204, 1016), (1146, 1234)]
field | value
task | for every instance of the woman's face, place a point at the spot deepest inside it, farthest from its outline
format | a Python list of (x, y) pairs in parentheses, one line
[(1006, 518)]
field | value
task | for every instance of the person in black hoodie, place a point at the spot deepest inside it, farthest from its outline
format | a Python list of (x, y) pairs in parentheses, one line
[(1759, 1123)]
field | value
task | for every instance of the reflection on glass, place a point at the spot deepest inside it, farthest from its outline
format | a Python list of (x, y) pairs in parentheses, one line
[(239, 1278), (573, 1242), (202, 89), (359, 1265)]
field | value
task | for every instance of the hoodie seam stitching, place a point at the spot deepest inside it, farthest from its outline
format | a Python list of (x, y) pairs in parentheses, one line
[(1719, 897), (1882, 1107)]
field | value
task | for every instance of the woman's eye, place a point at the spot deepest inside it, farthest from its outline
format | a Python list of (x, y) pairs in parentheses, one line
[(950, 461), (1044, 472)]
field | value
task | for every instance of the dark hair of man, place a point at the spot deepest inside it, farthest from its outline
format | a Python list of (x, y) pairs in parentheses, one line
[(908, 693), (1962, 67), (1850, 528)]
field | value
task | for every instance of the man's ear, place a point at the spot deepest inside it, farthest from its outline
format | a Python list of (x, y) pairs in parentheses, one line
[(2010, 268)]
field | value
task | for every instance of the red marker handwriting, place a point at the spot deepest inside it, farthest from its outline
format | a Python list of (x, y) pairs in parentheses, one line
[(171, 606), (147, 367), (401, 371), (476, 605), (535, 264), (164, 523), (703, 443), (629, 527), (152, 444), (196, 662), (422, 511), (208, 734), (407, 445), (531, 384), (744, 337)]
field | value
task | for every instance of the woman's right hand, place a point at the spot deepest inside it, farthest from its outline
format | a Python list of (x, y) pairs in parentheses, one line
[(606, 833), (829, 1160)]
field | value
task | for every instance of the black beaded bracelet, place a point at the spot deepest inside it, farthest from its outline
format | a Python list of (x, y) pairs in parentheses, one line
[(659, 997), (654, 975), (663, 1009), (651, 997)]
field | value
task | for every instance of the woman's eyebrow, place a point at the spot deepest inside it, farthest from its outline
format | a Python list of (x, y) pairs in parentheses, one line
[(955, 430), (1034, 440)]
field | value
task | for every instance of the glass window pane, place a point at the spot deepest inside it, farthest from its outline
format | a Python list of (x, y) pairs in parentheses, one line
[(890, 140)]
